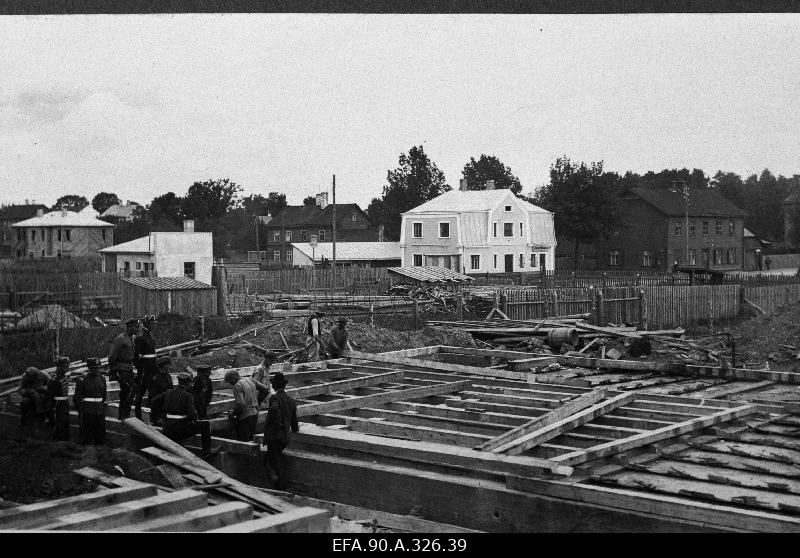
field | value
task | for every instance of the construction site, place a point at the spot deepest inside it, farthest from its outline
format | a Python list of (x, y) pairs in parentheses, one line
[(616, 407)]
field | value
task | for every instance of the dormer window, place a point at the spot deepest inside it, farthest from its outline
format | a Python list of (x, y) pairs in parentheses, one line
[(353, 217)]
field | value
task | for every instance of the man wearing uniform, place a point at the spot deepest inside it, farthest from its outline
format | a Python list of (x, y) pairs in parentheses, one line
[(313, 335), (58, 400), (177, 409), (144, 349), (89, 400), (120, 362), (33, 389), (160, 382), (246, 402), (281, 421), (202, 390)]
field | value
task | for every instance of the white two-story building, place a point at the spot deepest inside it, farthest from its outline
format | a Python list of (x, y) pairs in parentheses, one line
[(479, 231)]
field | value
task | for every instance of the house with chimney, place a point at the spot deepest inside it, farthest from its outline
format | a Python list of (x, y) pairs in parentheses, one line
[(60, 234), (478, 231), (118, 213), (10, 214), (164, 254), (313, 224)]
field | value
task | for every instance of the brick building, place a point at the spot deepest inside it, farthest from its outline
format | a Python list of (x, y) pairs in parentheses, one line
[(657, 235), (300, 223)]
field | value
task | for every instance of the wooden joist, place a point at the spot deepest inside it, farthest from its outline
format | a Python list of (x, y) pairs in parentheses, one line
[(617, 446), (299, 520), (557, 414), (203, 519), (378, 398), (437, 365), (344, 385), (744, 374), (611, 364)]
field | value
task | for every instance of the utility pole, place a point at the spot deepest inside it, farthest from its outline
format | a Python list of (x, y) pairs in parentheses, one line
[(334, 222), (686, 197)]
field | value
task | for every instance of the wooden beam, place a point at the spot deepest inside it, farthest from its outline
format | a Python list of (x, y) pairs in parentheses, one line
[(344, 385), (378, 398), (744, 374), (204, 519), (617, 446), (526, 364), (437, 365), (31, 516), (426, 452), (610, 364), (555, 415), (499, 353), (406, 431), (555, 429), (742, 388), (117, 516), (299, 520)]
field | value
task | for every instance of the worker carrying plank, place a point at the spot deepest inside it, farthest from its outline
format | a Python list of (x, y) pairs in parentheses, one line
[(90, 402), (144, 357), (58, 400), (176, 408), (120, 362), (338, 340)]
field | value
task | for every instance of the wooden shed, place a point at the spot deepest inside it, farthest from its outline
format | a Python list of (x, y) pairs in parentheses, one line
[(176, 295)]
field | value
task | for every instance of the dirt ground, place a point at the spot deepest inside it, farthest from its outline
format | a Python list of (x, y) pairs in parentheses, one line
[(761, 337), (32, 470)]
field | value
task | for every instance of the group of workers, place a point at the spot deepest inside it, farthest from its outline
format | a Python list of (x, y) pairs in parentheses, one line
[(180, 410)]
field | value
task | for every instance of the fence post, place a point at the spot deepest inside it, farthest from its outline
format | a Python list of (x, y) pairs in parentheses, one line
[(593, 302), (460, 307), (643, 318), (504, 303), (555, 304), (372, 314), (600, 310), (202, 326), (711, 312), (495, 300), (603, 280), (416, 314), (12, 300)]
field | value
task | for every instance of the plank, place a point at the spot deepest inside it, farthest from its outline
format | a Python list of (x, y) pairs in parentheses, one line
[(203, 519), (555, 415), (31, 516), (437, 365), (413, 432), (610, 364), (744, 374), (425, 452), (554, 429), (499, 353), (119, 515), (727, 391), (378, 398), (299, 520), (617, 446), (344, 385)]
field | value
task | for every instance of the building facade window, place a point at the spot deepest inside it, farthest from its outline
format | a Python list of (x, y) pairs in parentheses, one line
[(705, 227), (138, 265), (508, 229), (417, 260), (58, 235), (678, 229), (33, 235), (719, 227), (507, 208), (691, 228), (614, 258), (288, 236), (276, 255), (494, 261), (533, 260), (495, 231), (731, 228), (276, 236), (288, 255), (717, 256), (353, 217), (68, 235), (692, 257), (188, 269), (321, 235), (104, 234), (522, 260), (475, 261), (647, 259), (731, 255), (444, 230), (520, 230), (416, 230), (304, 235)]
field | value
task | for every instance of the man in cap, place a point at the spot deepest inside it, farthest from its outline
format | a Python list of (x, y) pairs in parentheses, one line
[(58, 400), (281, 422), (33, 389), (246, 401), (89, 400), (202, 389), (160, 382), (144, 350), (176, 408), (338, 340), (120, 362), (314, 335)]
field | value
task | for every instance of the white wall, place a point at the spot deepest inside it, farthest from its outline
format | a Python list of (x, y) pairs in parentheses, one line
[(133, 259), (173, 249), (299, 258)]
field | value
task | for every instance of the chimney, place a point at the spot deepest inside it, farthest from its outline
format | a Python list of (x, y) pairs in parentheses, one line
[(380, 233), (462, 184), (322, 200), (188, 225), (39, 212), (27, 201), (490, 184), (63, 211)]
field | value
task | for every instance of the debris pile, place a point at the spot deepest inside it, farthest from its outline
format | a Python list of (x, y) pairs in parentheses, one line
[(430, 295)]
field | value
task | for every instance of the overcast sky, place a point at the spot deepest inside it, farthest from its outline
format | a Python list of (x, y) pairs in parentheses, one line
[(141, 105)]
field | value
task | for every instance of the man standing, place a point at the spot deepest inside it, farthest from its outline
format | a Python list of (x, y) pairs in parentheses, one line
[(144, 349), (339, 341), (313, 335), (89, 400), (120, 362), (160, 382), (177, 409), (261, 374), (33, 389), (202, 391), (281, 421), (246, 401), (58, 400)]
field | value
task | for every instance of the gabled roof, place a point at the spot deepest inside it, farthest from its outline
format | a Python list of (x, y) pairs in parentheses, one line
[(312, 215), (120, 211), (702, 203), (51, 316), (430, 273), (63, 219), (16, 213), (167, 283), (457, 201), (89, 210), (352, 250), (137, 246)]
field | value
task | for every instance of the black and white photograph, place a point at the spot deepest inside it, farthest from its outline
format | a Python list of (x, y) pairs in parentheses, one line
[(401, 279)]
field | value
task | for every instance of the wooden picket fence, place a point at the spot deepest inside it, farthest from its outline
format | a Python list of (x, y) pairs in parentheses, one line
[(773, 297), (681, 306), (297, 280)]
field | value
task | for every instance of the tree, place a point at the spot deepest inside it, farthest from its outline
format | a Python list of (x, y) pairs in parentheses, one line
[(310, 201), (71, 202), (104, 200), (583, 199), (165, 211), (275, 202), (210, 199), (489, 167), (730, 186), (414, 182)]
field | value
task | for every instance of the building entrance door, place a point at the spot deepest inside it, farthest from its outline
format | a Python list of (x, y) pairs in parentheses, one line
[(509, 263), (705, 258)]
